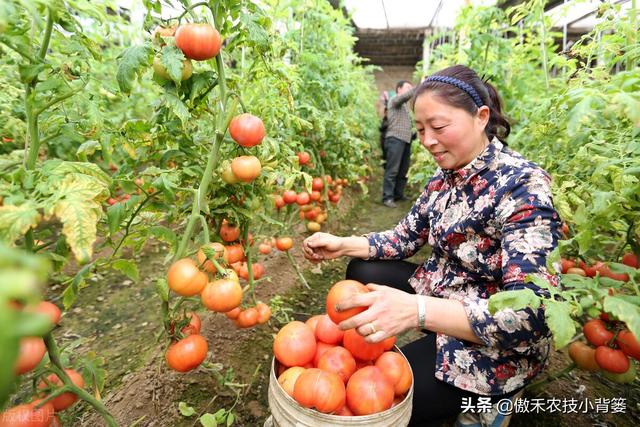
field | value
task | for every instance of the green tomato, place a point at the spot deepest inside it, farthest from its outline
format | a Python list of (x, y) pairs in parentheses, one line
[(160, 70), (228, 176), (624, 378)]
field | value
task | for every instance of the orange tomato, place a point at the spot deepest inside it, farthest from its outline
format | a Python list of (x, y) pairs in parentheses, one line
[(184, 278), (295, 344), (369, 391), (222, 295), (321, 390), (339, 292)]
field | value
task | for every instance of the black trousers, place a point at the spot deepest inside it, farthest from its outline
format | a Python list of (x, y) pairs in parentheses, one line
[(434, 401), (398, 156)]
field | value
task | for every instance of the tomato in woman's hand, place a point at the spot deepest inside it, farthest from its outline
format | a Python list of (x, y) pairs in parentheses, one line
[(339, 292), (583, 356), (596, 332), (198, 41), (612, 360), (187, 354)]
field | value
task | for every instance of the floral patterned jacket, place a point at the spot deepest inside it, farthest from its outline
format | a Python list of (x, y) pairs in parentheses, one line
[(489, 224)]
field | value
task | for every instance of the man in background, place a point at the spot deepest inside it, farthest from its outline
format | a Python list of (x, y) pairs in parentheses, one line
[(397, 144)]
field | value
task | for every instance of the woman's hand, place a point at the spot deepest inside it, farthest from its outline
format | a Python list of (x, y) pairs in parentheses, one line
[(322, 246), (390, 312)]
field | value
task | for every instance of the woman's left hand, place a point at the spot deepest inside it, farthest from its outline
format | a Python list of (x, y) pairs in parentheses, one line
[(390, 312)]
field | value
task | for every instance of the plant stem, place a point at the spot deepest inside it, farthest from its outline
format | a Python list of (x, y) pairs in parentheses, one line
[(58, 368), (295, 266), (543, 47)]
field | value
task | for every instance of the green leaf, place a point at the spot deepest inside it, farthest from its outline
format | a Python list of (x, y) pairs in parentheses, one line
[(230, 419), (624, 311), (515, 300), (208, 420), (129, 268), (172, 59), (15, 221), (164, 234), (115, 214), (562, 326), (88, 148), (186, 410), (28, 73), (134, 61), (177, 107), (70, 294)]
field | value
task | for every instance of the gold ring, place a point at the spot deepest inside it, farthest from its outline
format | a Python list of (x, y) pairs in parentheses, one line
[(373, 328)]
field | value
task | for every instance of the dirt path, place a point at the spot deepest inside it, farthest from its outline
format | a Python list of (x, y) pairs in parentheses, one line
[(118, 320)]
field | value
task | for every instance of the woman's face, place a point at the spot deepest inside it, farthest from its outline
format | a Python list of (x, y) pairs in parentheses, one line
[(453, 136)]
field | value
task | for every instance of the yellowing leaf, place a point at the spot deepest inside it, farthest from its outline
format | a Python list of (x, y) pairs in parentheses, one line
[(79, 217), (15, 221)]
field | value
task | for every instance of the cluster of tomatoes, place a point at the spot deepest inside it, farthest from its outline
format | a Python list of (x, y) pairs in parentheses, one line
[(334, 371), (581, 268), (312, 205), (31, 352), (223, 294), (615, 346)]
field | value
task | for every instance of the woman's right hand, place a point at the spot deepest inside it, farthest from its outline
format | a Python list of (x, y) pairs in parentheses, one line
[(321, 246)]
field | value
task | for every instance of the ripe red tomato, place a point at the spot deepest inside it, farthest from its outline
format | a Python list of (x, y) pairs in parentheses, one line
[(631, 260), (321, 348), (46, 308), (27, 415), (389, 343), (248, 318), (327, 331), (565, 229), (596, 332), (612, 360), (288, 378), (303, 157), (198, 41), (233, 314), (303, 198), (339, 292), (355, 343), (566, 265), (264, 312), (334, 198), (222, 295), (185, 278), (584, 356), (279, 202), (284, 243), (339, 361), (235, 253), (317, 184), (397, 369), (229, 233), (246, 168), (219, 252), (369, 391), (289, 196), (187, 354), (321, 390), (628, 344), (32, 350), (315, 195), (264, 248), (295, 344), (312, 322), (247, 130), (67, 399)]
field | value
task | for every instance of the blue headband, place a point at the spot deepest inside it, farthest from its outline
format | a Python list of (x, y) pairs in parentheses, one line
[(460, 85)]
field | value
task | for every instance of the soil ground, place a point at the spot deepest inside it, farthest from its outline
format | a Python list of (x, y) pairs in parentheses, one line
[(117, 321)]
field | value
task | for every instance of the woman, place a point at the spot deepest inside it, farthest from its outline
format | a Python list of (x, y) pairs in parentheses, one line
[(488, 216)]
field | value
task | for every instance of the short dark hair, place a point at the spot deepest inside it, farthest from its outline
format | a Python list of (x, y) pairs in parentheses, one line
[(400, 84), (498, 125)]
